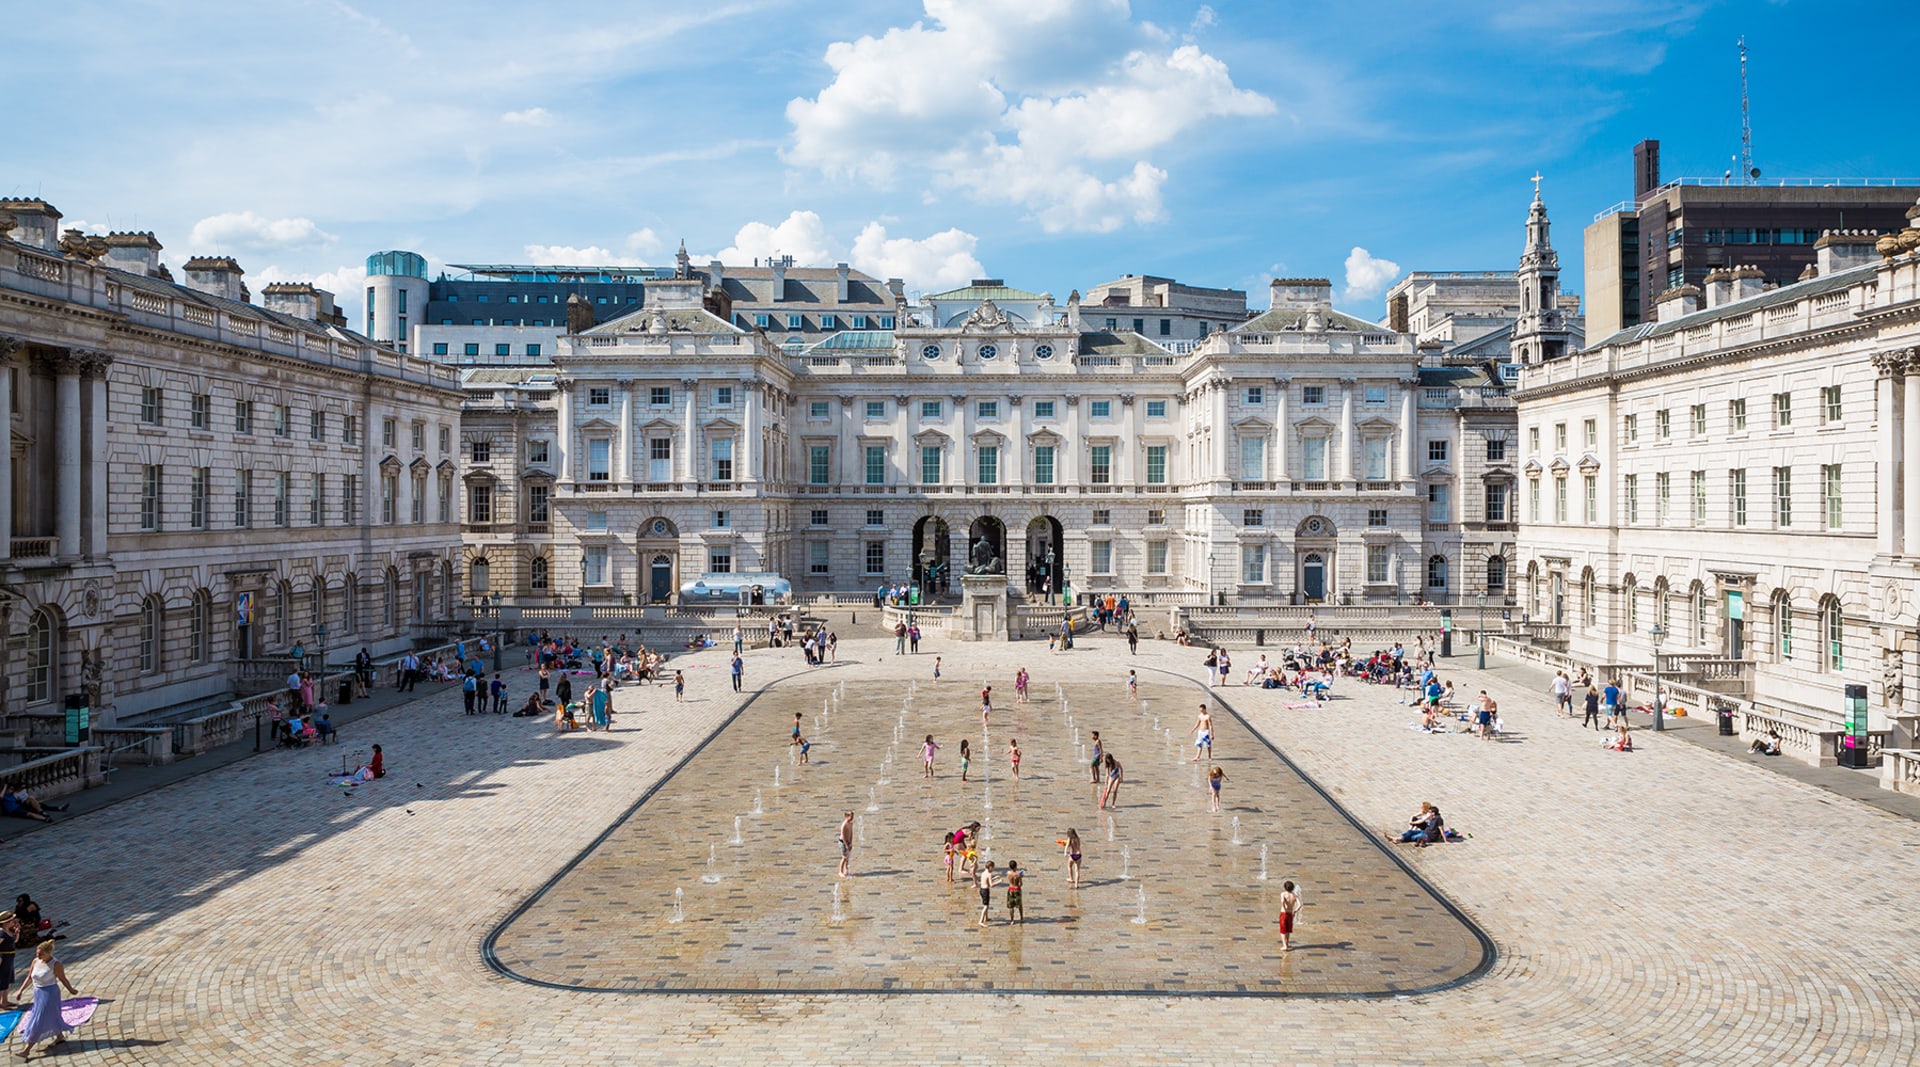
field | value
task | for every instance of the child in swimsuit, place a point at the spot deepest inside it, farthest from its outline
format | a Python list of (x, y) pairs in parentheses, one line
[(1013, 757), (1072, 848), (986, 881), (926, 753), (805, 745), (936, 668), (1214, 778), (1015, 878), (1133, 686), (966, 757)]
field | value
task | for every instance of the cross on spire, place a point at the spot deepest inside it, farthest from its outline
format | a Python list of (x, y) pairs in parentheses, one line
[(1536, 185)]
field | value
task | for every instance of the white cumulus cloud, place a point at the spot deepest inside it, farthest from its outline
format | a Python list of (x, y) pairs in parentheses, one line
[(533, 116), (640, 246), (246, 231), (1368, 276), (939, 261), (801, 235), (1054, 106)]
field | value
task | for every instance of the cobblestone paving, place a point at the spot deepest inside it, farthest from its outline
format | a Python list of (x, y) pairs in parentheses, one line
[(1666, 906), (1174, 897)]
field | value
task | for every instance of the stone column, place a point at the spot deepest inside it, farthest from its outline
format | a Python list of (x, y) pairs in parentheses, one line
[(748, 451), (564, 430), (1346, 430), (1131, 461), (1067, 464), (66, 454), (1013, 465), (1910, 462), (690, 432), (1277, 470), (8, 346), (94, 370), (1890, 519), (1222, 432), (1409, 428), (623, 460)]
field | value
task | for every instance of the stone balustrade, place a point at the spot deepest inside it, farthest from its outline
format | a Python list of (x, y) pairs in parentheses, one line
[(1900, 770), (60, 773)]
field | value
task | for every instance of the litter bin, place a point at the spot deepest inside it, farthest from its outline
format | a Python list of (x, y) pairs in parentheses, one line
[(1725, 712), (346, 693)]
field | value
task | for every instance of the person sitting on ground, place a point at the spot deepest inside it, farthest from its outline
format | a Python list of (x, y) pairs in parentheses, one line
[(378, 764), (21, 805), (533, 708), (1766, 746), (1623, 742), (1425, 827), (34, 927)]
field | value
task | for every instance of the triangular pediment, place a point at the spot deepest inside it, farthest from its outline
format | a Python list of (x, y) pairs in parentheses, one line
[(1559, 466), (1253, 424), (720, 425), (1377, 422), (1044, 437), (419, 466), (531, 474), (445, 466), (1532, 469), (389, 463), (1314, 422), (932, 437), (659, 426), (595, 419), (1589, 464), (988, 437)]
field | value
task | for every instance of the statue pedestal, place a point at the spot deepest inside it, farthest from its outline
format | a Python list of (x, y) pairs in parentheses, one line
[(983, 607)]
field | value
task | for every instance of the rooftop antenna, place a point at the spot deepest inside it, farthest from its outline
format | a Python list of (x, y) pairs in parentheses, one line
[(1751, 172)]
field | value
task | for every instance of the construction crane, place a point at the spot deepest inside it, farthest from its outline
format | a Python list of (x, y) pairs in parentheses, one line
[(1747, 168)]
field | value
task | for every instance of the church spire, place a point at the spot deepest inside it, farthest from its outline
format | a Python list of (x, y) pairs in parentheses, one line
[(1541, 332)]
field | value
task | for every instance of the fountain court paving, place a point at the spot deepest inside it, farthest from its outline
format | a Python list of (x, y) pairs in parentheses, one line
[(1668, 906)]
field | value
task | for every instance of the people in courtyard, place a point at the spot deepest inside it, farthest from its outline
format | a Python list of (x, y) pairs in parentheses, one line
[(1289, 911), (1766, 746), (1070, 845), (1203, 734), (966, 757), (1215, 778), (1016, 884), (1426, 827), (846, 842), (1013, 755), (927, 750), (986, 881), (1111, 799)]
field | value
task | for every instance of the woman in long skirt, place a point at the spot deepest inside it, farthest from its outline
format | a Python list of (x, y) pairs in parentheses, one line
[(43, 1020)]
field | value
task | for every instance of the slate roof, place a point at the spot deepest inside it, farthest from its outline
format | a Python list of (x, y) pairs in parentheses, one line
[(1786, 294), (1277, 320), (977, 293), (1108, 343)]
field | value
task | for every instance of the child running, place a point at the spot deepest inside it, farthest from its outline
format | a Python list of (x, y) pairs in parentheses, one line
[(1203, 735), (966, 757), (936, 668), (679, 687), (986, 703), (1020, 686), (1071, 846), (1013, 757), (1214, 778), (926, 754), (1133, 686), (1016, 880)]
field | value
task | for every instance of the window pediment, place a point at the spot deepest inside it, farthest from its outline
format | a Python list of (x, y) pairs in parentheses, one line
[(419, 466), (1314, 424), (1588, 464), (722, 425), (1044, 437), (1378, 424), (1559, 466), (874, 441), (989, 438), (536, 476), (658, 426), (481, 477), (595, 419), (1253, 424), (1532, 469), (932, 437), (390, 464)]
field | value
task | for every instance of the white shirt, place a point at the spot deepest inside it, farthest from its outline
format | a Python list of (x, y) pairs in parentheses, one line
[(43, 974)]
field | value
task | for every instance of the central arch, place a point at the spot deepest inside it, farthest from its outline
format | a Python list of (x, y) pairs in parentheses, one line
[(1046, 555), (931, 555)]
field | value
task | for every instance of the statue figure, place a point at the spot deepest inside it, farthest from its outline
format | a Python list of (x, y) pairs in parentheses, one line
[(986, 557), (93, 668)]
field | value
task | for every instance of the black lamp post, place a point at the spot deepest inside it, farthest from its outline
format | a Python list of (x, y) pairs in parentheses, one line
[(1657, 635), (1480, 632)]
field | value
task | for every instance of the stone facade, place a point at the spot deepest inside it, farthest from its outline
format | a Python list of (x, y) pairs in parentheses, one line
[(177, 453), (1737, 474)]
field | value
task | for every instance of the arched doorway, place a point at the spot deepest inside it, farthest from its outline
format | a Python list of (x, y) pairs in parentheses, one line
[(658, 544), (660, 579), (1046, 555), (1313, 577), (930, 562)]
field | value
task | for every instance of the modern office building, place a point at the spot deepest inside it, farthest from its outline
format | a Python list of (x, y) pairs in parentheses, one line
[(1743, 472), (195, 479), (1674, 231)]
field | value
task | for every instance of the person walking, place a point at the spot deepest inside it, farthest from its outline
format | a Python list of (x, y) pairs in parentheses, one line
[(679, 687), (736, 667), (846, 842), (1289, 911), (1562, 691), (1593, 708), (44, 1021), (1610, 696), (1203, 735), (986, 882), (739, 640), (1133, 638), (470, 689), (899, 638)]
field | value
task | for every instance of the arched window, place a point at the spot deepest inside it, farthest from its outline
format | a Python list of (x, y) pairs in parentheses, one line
[(1782, 627), (1590, 595), (1832, 634), (199, 625), (537, 574), (1437, 572), (1662, 605), (1699, 612), (1496, 574), (42, 653), (480, 575), (153, 630), (1630, 599)]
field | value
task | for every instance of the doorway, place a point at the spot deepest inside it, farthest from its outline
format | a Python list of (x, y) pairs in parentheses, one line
[(1736, 619), (660, 580), (1559, 598), (1046, 555), (930, 555), (1313, 578)]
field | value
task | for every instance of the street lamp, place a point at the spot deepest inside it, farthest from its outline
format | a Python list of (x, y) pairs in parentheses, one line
[(1480, 632), (1657, 635)]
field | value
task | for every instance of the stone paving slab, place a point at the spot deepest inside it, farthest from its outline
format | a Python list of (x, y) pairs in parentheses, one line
[(1174, 899), (1669, 906)]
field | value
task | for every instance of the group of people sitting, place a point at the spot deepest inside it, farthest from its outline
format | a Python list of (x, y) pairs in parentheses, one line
[(1426, 827), (610, 661), (20, 804), (301, 728)]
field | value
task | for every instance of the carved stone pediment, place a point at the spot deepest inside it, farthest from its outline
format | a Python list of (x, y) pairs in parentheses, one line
[(987, 316)]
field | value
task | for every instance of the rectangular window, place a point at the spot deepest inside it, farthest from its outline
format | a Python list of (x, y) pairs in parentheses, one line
[(317, 426), (722, 520), (875, 557), (987, 409), (349, 429), (723, 396), (1377, 557), (1830, 405), (243, 499), (243, 416), (349, 498), (594, 565), (1043, 409), (930, 409), (446, 498), (1560, 499), (1631, 485), (599, 396), (389, 428), (817, 517), (989, 465), (1156, 464), (1560, 437), (1496, 450), (1590, 432), (1662, 424), (480, 504), (1830, 481), (762, 319), (876, 409), (1156, 557), (599, 459), (482, 450), (1253, 459), (197, 419), (930, 465), (659, 459), (1377, 517), (876, 464), (419, 435), (1102, 517), (537, 451), (418, 507), (1592, 489), (533, 350), (1253, 517), (538, 504), (1156, 409), (1100, 409), (1697, 416), (818, 553), (1439, 506), (795, 322), (150, 405), (1313, 395), (282, 420), (197, 500), (1496, 503), (1737, 496), (1436, 451), (1253, 564), (818, 409), (1373, 459), (503, 349), (150, 497), (1313, 458), (1533, 499), (660, 396), (859, 322), (1533, 440), (1256, 395), (819, 469), (439, 348), (875, 517), (1630, 429), (317, 500), (1166, 327), (1737, 415), (1662, 498), (1782, 410), (1156, 517), (1043, 465), (281, 487), (886, 322), (1375, 395), (1100, 465), (472, 348), (721, 450), (1698, 486)]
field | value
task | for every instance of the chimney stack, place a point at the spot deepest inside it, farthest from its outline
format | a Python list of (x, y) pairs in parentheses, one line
[(37, 223), (716, 275), (303, 300), (1748, 281), (217, 276), (840, 283), (135, 253), (1301, 294), (779, 265), (1719, 285), (1839, 250), (1677, 301)]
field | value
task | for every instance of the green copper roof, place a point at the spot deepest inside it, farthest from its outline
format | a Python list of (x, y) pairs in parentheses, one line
[(978, 293)]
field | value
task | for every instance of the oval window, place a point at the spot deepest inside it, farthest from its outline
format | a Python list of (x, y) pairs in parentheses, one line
[(930, 352)]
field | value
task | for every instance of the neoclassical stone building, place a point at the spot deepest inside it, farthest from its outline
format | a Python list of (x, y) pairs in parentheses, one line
[(1741, 473), (194, 479)]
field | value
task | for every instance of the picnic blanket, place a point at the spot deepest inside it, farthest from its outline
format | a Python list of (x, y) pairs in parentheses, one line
[(73, 1011)]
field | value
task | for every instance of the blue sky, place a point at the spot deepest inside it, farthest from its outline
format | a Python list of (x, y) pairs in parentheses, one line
[(1056, 143)]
